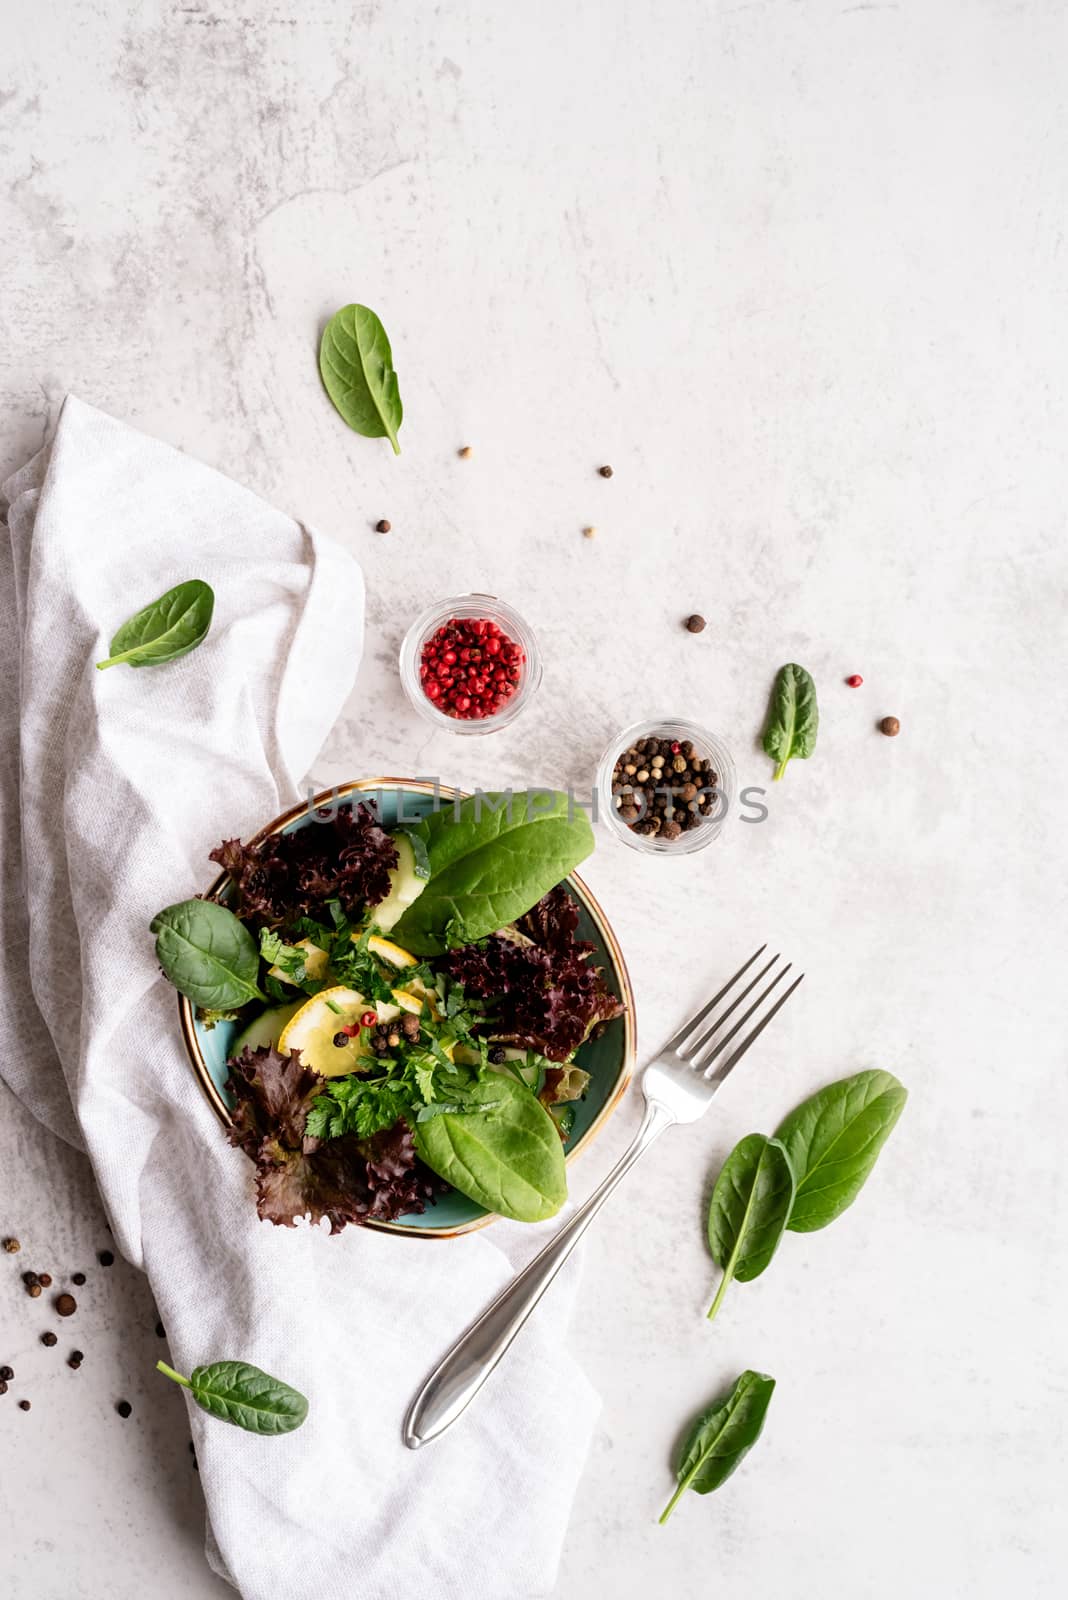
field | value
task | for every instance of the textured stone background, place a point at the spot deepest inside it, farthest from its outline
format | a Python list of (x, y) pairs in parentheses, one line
[(796, 269)]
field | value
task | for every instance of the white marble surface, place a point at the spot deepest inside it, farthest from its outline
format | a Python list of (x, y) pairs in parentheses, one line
[(796, 270)]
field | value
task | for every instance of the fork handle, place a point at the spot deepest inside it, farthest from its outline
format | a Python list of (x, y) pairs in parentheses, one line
[(456, 1380)]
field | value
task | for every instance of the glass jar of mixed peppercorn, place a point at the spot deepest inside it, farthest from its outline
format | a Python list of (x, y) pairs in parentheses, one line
[(470, 664), (666, 786)]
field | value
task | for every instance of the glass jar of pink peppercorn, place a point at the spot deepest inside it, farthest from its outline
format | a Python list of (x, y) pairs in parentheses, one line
[(470, 664)]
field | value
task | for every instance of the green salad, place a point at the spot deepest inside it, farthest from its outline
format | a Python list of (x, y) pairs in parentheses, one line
[(410, 1005)]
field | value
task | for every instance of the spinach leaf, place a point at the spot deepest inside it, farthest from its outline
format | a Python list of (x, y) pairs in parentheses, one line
[(168, 628), (833, 1139), (356, 364), (750, 1207), (721, 1437), (505, 1153), (208, 954), (491, 859), (793, 717), (244, 1395)]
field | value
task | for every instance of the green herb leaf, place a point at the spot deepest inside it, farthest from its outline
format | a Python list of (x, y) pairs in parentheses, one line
[(420, 853), (207, 954), (356, 363), (168, 628), (490, 864), (749, 1210), (722, 1437), (506, 1154), (240, 1393), (793, 717), (833, 1140)]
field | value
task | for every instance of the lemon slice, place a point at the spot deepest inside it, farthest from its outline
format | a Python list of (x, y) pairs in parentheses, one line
[(408, 1001), (386, 950), (315, 964), (315, 1026)]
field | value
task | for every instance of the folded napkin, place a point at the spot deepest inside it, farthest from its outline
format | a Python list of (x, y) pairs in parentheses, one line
[(115, 785)]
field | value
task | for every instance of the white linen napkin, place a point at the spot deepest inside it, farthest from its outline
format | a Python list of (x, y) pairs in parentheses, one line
[(115, 785)]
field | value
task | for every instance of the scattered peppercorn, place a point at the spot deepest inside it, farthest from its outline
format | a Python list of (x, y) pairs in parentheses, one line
[(3, 1386), (29, 1279), (7, 1373), (161, 1332), (606, 472), (464, 452), (49, 1339), (341, 1039), (696, 623), (498, 1054), (589, 533), (383, 526), (106, 1258), (78, 1278), (34, 1291), (66, 1305), (75, 1359), (890, 726), (124, 1408), (24, 1405), (410, 1026), (12, 1247), (45, 1280), (855, 680)]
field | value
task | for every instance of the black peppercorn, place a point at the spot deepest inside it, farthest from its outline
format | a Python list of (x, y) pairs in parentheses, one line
[(7, 1373), (75, 1359), (606, 472), (49, 1339), (124, 1408), (341, 1039), (498, 1054), (106, 1258), (24, 1405), (3, 1386), (78, 1278), (29, 1279), (383, 526), (696, 623)]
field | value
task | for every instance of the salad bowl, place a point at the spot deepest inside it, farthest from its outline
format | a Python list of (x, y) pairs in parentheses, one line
[(608, 1058)]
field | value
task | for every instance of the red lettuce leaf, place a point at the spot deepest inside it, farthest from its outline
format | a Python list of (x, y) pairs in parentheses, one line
[(343, 1180), (546, 996), (345, 857)]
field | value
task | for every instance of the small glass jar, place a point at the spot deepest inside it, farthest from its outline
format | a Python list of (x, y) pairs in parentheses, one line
[(484, 607), (708, 748)]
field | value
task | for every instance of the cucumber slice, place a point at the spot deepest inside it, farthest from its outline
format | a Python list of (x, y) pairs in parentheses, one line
[(266, 1029), (407, 884)]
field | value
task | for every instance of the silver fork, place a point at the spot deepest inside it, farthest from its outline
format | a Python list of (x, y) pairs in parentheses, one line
[(678, 1087)]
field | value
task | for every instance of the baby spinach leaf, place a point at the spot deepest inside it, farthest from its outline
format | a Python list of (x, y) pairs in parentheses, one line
[(832, 1141), (356, 363), (721, 1437), (240, 1393), (793, 717), (750, 1207), (168, 628), (208, 954), (491, 860), (502, 1151)]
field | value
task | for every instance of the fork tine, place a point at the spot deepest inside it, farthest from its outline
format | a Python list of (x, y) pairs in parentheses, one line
[(733, 1059), (702, 1061), (695, 1022), (694, 1050)]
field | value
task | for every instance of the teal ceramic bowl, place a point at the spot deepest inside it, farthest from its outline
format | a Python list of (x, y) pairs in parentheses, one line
[(609, 1059)]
